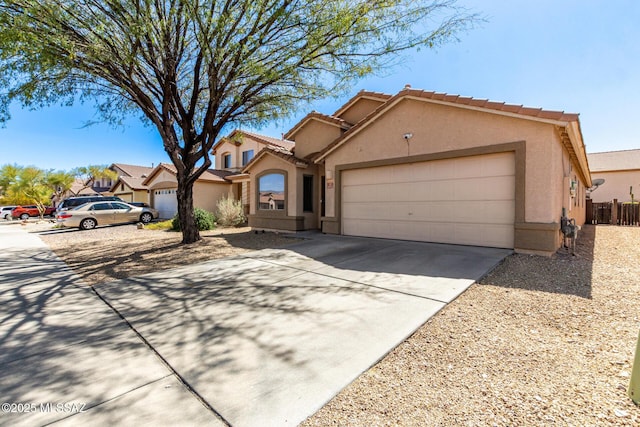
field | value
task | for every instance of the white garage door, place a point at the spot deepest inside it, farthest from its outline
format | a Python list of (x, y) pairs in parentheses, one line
[(467, 201), (165, 202)]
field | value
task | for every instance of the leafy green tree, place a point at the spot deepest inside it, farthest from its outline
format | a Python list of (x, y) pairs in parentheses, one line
[(60, 182), (32, 183), (9, 193), (194, 68), (90, 174)]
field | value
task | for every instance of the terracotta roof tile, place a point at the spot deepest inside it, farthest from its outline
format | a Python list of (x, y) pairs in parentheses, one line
[(383, 97), (280, 152), (453, 99), (264, 139), (134, 170), (314, 115)]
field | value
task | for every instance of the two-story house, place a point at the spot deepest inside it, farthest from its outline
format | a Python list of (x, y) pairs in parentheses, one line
[(422, 166)]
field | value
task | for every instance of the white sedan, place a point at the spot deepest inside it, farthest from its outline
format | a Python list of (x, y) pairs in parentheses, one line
[(91, 215)]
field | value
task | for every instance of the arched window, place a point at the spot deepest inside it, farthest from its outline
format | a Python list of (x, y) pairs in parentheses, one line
[(271, 192)]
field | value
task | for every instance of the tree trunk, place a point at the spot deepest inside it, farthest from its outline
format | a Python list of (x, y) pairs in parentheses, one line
[(190, 232)]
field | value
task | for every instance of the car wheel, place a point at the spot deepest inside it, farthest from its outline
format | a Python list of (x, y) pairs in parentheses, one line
[(24, 216), (88, 224), (146, 218)]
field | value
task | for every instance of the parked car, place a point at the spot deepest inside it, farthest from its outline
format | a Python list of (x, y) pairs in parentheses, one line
[(139, 204), (91, 215), (5, 211), (72, 202), (24, 212)]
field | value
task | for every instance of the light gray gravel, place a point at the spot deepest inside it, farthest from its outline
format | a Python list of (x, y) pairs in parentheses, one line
[(541, 341)]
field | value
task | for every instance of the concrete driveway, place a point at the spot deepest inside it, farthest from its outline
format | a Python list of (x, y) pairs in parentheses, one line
[(262, 339), (268, 338)]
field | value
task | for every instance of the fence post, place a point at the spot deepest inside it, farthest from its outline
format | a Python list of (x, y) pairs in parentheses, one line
[(614, 212), (589, 211), (634, 384)]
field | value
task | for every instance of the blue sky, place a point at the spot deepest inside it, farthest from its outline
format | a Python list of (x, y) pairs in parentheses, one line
[(580, 56)]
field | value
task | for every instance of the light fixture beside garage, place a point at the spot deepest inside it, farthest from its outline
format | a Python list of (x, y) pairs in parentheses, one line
[(407, 136)]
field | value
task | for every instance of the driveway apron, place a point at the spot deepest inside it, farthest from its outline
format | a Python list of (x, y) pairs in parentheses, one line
[(267, 338), (66, 358)]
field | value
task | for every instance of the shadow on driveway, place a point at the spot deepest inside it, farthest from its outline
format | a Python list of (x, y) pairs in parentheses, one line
[(269, 337)]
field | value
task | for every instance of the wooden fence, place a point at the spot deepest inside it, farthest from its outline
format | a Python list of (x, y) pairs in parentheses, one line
[(615, 213)]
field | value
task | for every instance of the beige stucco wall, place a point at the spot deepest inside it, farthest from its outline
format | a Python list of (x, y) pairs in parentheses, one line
[(130, 195), (616, 186), (440, 128), (314, 137), (236, 152), (359, 110), (205, 194), (293, 192)]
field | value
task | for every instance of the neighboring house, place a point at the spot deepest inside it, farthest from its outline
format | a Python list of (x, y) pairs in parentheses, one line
[(207, 191), (233, 152), (129, 185), (621, 173), (426, 166)]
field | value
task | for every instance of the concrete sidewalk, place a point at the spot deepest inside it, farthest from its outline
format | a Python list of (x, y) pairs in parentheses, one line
[(66, 358)]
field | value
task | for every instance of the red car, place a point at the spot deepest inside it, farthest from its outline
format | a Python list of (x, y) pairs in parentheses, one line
[(24, 212)]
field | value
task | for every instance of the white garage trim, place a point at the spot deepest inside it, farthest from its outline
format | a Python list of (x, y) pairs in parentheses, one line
[(166, 202), (465, 200)]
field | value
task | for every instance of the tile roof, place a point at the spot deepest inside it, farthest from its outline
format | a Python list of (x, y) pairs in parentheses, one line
[(382, 97), (133, 170), (210, 175), (457, 100), (280, 152), (134, 183), (614, 160), (264, 139), (491, 105), (314, 115)]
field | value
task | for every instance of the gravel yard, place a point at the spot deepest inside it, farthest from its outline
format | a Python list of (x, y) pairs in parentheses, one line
[(540, 341), (117, 252)]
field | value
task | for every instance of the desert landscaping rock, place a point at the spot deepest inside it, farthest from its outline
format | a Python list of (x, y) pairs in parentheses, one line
[(540, 341)]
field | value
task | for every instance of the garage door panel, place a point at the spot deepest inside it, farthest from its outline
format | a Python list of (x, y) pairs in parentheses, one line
[(465, 200), (486, 212)]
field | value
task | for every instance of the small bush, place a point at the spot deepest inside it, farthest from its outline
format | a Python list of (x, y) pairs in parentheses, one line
[(204, 220), (230, 212), (162, 225)]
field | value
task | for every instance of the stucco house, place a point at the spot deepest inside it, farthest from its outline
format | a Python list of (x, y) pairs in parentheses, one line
[(427, 166), (129, 185), (207, 191), (621, 173), (233, 152)]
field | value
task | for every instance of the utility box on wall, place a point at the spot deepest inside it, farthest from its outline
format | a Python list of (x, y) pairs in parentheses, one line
[(634, 384)]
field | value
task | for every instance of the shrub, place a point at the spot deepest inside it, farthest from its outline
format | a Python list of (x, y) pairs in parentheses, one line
[(230, 212), (204, 220)]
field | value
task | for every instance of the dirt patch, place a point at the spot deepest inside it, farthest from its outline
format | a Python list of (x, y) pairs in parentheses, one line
[(541, 341), (111, 253)]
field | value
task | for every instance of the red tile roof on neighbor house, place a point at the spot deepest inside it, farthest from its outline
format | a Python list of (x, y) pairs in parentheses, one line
[(210, 175), (609, 161), (133, 170), (454, 100)]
